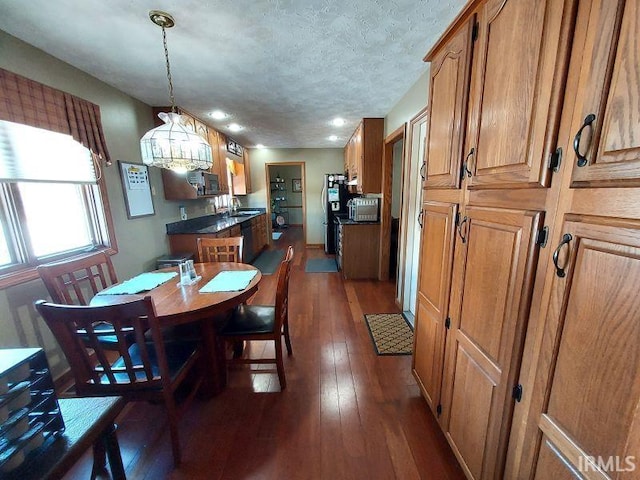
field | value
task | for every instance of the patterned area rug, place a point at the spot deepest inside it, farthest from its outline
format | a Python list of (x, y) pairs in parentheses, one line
[(390, 332)]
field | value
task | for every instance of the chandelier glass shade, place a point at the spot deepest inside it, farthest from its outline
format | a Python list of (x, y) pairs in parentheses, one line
[(172, 145)]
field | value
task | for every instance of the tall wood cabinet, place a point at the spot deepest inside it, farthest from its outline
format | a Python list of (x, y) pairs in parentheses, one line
[(527, 334)]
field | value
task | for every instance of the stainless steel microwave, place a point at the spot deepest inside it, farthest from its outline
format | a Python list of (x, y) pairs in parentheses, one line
[(364, 209), (206, 183)]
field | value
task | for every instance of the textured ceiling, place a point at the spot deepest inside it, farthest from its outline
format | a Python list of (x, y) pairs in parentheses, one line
[(282, 69)]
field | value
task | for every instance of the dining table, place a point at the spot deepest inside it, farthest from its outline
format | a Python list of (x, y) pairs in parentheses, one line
[(178, 304)]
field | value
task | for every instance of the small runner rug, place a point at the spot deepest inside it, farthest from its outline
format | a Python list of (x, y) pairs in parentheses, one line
[(390, 332), (320, 265), (268, 261)]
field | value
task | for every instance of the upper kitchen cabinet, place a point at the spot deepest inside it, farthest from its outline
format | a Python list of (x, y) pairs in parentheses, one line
[(363, 155), (606, 122), (353, 154), (242, 177), (517, 87), (448, 92)]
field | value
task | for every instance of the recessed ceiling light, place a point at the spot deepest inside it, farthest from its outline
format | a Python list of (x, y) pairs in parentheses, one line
[(260, 146), (218, 115), (234, 127), (333, 138), (338, 122)]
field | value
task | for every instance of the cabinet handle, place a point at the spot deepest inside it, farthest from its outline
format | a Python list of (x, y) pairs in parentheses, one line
[(420, 216), (560, 271), (465, 165), (588, 120), (423, 172), (462, 237)]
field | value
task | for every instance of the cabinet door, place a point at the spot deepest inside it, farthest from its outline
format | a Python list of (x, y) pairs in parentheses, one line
[(201, 129), (222, 167), (212, 137), (493, 281), (247, 170), (188, 121), (448, 93), (518, 74), (594, 388), (436, 264), (607, 122)]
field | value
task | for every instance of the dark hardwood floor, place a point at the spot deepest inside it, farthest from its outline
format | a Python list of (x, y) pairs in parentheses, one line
[(346, 413)]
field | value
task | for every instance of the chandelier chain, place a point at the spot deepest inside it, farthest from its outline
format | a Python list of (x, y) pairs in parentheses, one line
[(166, 56)]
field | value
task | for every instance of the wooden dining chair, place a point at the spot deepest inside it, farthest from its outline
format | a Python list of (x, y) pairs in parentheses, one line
[(264, 322), (146, 370), (227, 249), (77, 281)]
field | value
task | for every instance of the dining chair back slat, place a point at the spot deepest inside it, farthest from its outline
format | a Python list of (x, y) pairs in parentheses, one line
[(227, 249), (76, 281)]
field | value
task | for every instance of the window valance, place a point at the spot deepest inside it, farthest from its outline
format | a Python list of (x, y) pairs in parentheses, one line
[(26, 101)]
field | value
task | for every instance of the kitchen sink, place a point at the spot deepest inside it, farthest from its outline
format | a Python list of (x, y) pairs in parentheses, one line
[(245, 213)]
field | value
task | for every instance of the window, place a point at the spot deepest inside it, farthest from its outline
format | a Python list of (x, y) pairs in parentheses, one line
[(51, 199)]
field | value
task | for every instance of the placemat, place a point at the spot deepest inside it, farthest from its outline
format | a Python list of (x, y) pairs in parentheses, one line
[(229, 281), (140, 283)]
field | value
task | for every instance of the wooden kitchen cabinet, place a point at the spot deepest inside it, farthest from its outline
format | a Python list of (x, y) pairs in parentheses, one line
[(609, 144), (438, 238), (495, 256), (448, 91), (586, 370), (358, 250), (537, 368), (242, 178), (516, 92), (363, 155)]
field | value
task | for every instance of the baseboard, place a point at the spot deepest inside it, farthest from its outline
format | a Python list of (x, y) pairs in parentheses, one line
[(314, 245)]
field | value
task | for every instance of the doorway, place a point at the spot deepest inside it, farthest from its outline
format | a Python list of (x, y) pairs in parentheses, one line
[(286, 203), (401, 231), (390, 212), (410, 229)]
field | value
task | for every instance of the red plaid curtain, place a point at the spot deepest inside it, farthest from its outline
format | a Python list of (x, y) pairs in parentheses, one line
[(31, 103)]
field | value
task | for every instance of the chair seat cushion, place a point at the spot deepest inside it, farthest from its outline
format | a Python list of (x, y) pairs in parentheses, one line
[(250, 319), (178, 353)]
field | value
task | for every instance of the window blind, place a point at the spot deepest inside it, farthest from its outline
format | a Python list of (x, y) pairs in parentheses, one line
[(29, 154)]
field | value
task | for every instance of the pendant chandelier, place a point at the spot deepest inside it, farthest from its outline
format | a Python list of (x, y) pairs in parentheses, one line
[(172, 145)]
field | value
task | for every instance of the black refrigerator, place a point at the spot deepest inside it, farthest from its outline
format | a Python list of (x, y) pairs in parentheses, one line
[(334, 202)]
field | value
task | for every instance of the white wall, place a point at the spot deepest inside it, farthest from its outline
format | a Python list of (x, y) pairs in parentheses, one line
[(318, 161), (410, 103)]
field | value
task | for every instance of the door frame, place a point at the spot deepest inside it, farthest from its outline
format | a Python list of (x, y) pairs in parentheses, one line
[(304, 195), (410, 185), (385, 209)]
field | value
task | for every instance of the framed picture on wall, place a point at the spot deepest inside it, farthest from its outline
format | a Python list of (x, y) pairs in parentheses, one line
[(296, 185)]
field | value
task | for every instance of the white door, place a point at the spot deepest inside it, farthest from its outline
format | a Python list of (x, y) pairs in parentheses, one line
[(409, 258)]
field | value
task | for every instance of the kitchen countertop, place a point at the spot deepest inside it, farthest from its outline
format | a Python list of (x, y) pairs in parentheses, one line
[(211, 223), (343, 220)]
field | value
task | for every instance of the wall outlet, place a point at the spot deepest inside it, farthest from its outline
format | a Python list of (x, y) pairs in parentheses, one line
[(183, 213)]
